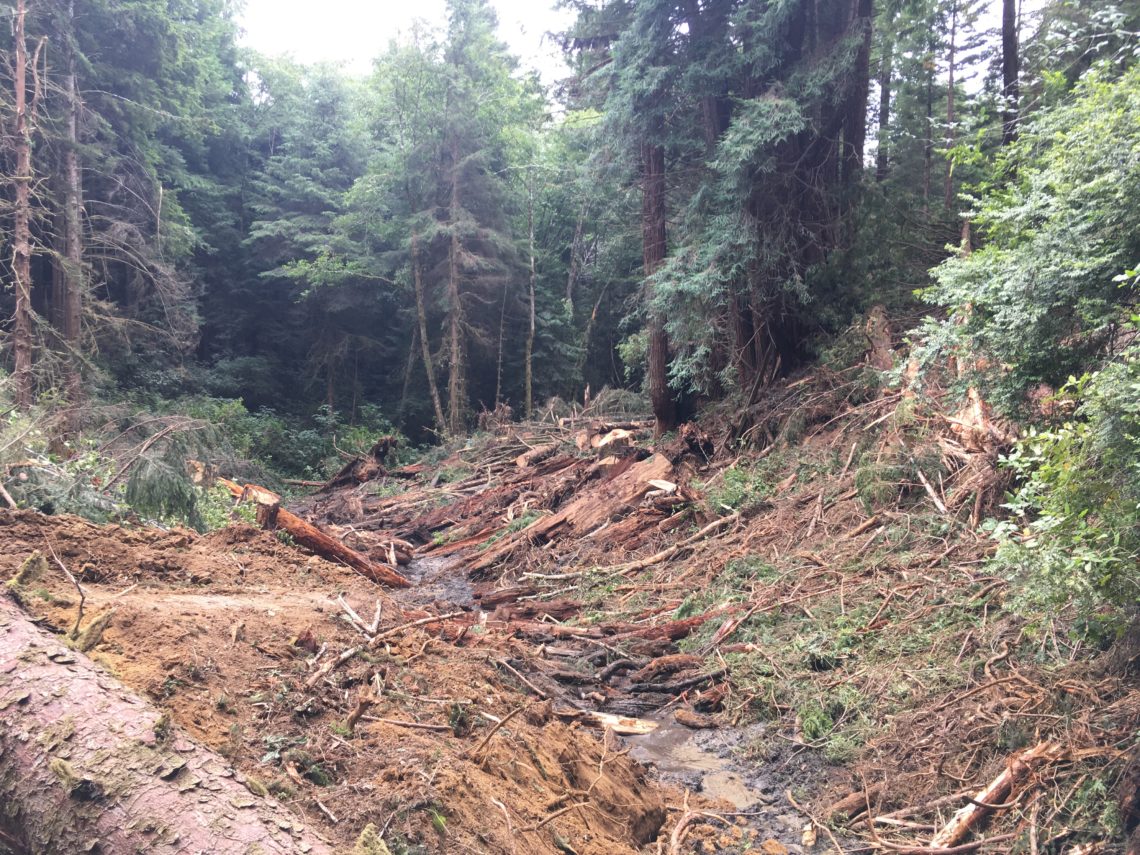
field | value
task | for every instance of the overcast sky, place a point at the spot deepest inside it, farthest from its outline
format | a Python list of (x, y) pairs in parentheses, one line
[(356, 31)]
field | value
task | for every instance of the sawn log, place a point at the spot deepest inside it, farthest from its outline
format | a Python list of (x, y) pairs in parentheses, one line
[(87, 766), (309, 536)]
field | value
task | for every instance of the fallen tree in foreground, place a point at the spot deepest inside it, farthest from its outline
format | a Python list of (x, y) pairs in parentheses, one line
[(86, 766), (272, 516)]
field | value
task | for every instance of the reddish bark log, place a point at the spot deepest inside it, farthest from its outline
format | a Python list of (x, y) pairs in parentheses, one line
[(87, 766), (309, 536)]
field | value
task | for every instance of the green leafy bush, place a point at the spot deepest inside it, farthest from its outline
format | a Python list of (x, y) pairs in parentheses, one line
[(1038, 301), (1075, 532)]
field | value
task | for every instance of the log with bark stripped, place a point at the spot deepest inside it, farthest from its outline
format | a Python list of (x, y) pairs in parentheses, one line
[(1001, 793), (309, 536), (86, 766)]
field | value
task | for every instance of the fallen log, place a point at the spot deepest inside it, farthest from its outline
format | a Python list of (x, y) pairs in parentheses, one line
[(663, 666), (995, 797), (853, 804), (678, 686), (312, 538), (491, 598), (87, 766), (619, 495), (536, 455), (559, 609)]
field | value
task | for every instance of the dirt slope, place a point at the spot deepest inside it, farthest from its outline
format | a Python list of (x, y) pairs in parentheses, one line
[(809, 623), (218, 631)]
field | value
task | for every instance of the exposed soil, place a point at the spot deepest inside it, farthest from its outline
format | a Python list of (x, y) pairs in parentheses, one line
[(792, 627), (218, 631)]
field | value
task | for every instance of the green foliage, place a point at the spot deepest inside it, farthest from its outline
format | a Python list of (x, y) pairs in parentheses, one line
[(743, 486), (1039, 299), (216, 509), (1075, 531)]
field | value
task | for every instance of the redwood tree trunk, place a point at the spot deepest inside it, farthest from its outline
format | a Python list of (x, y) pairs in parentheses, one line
[(21, 228), (86, 766), (950, 116), (855, 124), (653, 247), (456, 367), (1010, 67), (421, 312), (882, 154), (533, 324), (72, 304)]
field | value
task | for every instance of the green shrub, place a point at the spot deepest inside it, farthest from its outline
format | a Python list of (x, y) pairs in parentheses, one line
[(1075, 530), (1038, 298)]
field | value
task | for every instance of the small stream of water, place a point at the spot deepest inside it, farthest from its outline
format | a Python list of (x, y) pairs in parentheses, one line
[(674, 750)]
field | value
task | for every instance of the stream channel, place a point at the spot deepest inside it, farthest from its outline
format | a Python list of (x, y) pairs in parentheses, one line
[(720, 763)]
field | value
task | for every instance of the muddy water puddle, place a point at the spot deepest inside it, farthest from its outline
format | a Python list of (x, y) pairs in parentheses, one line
[(675, 752), (433, 581)]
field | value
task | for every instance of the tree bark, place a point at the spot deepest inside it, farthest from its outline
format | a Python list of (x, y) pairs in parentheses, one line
[(21, 226), (533, 281), (743, 335), (653, 249), (409, 368), (86, 766), (576, 246), (72, 303), (882, 155), (928, 147), (1010, 68), (855, 124), (456, 367), (425, 344), (949, 196)]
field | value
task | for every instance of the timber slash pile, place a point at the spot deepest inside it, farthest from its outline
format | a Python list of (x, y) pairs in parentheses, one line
[(772, 632)]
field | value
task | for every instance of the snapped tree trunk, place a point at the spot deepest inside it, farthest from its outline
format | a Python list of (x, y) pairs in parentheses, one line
[(87, 766), (1010, 67), (272, 516), (653, 249), (425, 344), (21, 225)]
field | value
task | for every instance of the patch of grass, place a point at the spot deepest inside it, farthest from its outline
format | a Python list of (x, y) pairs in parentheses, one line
[(386, 489), (451, 474), (514, 526)]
